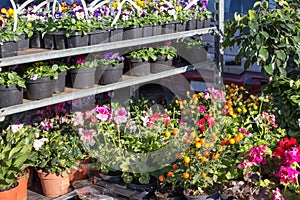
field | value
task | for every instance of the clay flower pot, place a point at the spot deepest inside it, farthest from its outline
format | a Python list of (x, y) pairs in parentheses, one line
[(54, 185), (10, 193)]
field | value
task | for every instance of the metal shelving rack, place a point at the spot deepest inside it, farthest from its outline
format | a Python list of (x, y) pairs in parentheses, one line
[(70, 94)]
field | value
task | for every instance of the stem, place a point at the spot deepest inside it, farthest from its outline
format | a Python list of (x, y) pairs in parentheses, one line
[(284, 191), (119, 135)]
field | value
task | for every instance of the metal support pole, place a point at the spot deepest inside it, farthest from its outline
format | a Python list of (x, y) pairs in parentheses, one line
[(219, 50)]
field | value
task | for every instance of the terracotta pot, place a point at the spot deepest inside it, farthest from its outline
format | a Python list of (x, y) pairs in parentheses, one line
[(54, 185), (10, 194), (22, 188), (78, 174)]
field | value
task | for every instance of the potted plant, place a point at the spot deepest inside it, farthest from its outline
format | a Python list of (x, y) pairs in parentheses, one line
[(38, 21), (164, 58), (82, 72), (56, 149), (8, 37), (69, 27), (99, 22), (132, 23), (192, 49), (138, 61), (110, 69), (39, 82), (59, 79), (15, 147), (24, 31), (11, 87)]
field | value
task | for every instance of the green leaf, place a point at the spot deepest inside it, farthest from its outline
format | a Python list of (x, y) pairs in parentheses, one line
[(269, 69), (263, 54), (251, 14), (280, 54)]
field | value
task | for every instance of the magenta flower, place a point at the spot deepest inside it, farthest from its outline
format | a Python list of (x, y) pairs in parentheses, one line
[(255, 156), (291, 156), (80, 59), (277, 194), (245, 132), (102, 113), (121, 116), (202, 109), (46, 125), (287, 174)]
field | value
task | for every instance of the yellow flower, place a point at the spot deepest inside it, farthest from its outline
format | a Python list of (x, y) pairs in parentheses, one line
[(178, 8), (11, 12), (141, 3), (29, 25), (115, 4), (3, 11)]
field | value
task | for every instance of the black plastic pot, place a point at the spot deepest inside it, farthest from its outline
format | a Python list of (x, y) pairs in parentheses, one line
[(161, 64), (143, 187), (36, 40), (132, 33), (60, 40), (147, 30), (191, 25), (138, 67), (40, 88), (82, 78), (207, 23), (23, 42), (168, 27), (108, 74), (10, 96), (167, 194), (98, 37), (214, 196), (156, 30), (200, 24), (49, 41), (116, 34), (180, 26), (77, 39), (112, 177), (59, 83), (8, 49)]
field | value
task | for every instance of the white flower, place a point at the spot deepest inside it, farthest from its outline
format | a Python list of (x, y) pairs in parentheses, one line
[(37, 144), (145, 120), (31, 17), (299, 122), (171, 11), (15, 128), (79, 15)]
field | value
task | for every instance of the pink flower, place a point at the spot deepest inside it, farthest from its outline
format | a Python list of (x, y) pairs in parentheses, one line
[(243, 131), (78, 119), (46, 125), (291, 156), (121, 116), (287, 174), (102, 113), (202, 109), (277, 194), (167, 122), (255, 156)]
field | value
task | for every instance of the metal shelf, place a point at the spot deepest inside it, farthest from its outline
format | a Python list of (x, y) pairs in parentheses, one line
[(127, 81), (52, 54)]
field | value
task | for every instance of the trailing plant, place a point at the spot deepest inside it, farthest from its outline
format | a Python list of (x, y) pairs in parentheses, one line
[(267, 36), (8, 78), (111, 59)]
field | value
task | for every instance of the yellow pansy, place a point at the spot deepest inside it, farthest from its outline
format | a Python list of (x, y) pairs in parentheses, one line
[(178, 8), (141, 3), (3, 10), (11, 12), (115, 4)]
